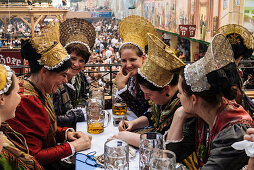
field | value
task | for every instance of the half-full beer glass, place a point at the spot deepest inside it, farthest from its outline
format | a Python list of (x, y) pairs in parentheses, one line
[(96, 120)]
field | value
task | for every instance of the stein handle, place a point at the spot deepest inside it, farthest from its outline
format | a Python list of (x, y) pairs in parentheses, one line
[(106, 113)]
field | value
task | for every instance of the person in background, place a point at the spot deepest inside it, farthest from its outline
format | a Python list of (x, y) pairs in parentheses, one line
[(35, 117), (14, 150), (133, 32), (205, 88), (242, 42), (73, 94), (158, 80)]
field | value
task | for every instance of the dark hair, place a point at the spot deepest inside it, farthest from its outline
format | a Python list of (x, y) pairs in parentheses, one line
[(30, 54), (12, 85), (142, 81), (131, 46), (240, 49), (213, 95), (80, 50)]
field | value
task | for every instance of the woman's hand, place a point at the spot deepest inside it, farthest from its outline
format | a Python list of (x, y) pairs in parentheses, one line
[(128, 126), (122, 79), (130, 137), (180, 113), (249, 135), (79, 140)]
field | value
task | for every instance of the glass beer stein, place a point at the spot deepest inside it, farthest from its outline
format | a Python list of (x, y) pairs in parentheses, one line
[(148, 141), (116, 155), (96, 120)]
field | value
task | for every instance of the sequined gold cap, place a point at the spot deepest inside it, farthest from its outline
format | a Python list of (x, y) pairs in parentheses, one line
[(47, 43), (234, 32), (77, 30), (133, 30), (160, 64), (5, 78), (218, 55)]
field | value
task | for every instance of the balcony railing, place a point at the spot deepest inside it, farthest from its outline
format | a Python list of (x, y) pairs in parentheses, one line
[(19, 69)]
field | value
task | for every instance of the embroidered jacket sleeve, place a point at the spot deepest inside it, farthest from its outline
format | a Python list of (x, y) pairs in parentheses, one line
[(136, 104), (65, 114), (222, 155), (32, 122)]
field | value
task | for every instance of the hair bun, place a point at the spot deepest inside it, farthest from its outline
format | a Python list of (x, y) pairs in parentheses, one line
[(28, 52)]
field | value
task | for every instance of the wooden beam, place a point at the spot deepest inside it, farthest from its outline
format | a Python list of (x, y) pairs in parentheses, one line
[(25, 21), (32, 25), (39, 19)]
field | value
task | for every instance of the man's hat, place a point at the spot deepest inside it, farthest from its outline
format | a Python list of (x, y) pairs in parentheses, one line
[(161, 63)]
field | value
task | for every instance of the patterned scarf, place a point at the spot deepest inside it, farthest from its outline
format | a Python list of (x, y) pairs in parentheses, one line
[(15, 149), (162, 118)]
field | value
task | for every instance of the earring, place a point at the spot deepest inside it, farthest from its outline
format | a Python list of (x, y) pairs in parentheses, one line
[(167, 95)]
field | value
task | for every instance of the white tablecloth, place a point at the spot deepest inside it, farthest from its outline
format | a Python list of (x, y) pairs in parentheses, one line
[(98, 140)]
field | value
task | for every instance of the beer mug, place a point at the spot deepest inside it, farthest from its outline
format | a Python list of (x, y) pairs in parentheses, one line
[(162, 159), (119, 107), (116, 155), (96, 120), (148, 141)]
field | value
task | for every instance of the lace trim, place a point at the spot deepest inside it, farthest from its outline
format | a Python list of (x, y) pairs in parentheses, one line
[(132, 44), (170, 141), (120, 92), (67, 130), (57, 65), (79, 42), (9, 81), (142, 75)]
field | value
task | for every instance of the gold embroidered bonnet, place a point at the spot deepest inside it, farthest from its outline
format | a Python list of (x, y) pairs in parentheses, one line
[(218, 55), (77, 30), (133, 30), (5, 78), (234, 32), (47, 43), (160, 64)]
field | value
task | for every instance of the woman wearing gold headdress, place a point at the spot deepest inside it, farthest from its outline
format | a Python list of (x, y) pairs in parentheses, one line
[(242, 42), (204, 89), (14, 150), (133, 32), (158, 78), (78, 37), (35, 117)]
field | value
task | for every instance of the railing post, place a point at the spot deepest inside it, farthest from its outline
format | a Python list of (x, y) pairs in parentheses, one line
[(110, 80)]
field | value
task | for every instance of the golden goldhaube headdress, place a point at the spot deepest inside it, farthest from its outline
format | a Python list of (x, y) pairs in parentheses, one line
[(5, 78), (47, 43), (218, 55), (133, 30), (233, 32), (77, 30), (160, 64)]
